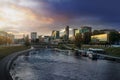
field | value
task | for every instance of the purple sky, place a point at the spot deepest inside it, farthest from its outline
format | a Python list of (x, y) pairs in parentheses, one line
[(43, 16)]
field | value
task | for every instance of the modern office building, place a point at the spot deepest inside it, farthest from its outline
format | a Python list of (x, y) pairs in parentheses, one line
[(41, 39), (46, 39), (55, 34), (85, 29), (77, 31), (108, 36), (33, 36), (100, 38), (82, 30), (74, 32), (66, 33), (86, 33)]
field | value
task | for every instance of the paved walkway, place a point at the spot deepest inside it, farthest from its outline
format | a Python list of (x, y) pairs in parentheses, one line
[(6, 63)]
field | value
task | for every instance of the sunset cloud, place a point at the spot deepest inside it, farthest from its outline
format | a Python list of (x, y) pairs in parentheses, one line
[(24, 16), (18, 18)]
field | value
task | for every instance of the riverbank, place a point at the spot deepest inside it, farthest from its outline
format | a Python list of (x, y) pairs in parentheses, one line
[(5, 51), (6, 63), (112, 51)]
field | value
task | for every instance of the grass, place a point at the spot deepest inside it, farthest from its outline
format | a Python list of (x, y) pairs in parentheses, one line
[(113, 51), (5, 51), (62, 47)]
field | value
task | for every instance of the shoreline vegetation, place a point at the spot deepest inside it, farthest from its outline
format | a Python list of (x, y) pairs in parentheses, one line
[(5, 51), (112, 51)]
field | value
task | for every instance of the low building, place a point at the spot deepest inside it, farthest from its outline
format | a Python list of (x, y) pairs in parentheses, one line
[(41, 39), (100, 38), (46, 39)]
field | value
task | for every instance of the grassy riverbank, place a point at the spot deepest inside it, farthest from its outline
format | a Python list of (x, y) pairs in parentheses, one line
[(5, 51), (113, 51)]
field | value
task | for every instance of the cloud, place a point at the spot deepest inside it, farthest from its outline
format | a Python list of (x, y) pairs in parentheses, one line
[(107, 10), (45, 15), (22, 18)]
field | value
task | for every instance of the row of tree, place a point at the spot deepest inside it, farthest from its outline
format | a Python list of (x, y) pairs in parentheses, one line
[(5, 40)]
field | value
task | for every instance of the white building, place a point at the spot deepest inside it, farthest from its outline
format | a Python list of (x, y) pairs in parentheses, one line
[(46, 39)]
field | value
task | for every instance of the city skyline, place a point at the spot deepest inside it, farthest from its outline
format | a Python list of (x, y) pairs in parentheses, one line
[(42, 16)]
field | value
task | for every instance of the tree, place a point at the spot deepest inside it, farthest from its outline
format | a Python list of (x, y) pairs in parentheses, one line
[(86, 38), (114, 37), (27, 43), (78, 40), (96, 32)]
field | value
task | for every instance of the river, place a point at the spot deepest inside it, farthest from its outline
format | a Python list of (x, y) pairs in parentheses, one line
[(47, 64)]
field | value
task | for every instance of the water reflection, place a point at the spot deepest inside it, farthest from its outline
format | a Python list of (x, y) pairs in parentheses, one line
[(53, 65)]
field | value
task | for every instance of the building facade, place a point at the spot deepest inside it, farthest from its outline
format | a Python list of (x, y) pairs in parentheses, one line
[(86, 33), (100, 38), (55, 34), (66, 33), (33, 36)]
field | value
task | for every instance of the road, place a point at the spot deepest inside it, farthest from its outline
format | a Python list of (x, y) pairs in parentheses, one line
[(47, 64)]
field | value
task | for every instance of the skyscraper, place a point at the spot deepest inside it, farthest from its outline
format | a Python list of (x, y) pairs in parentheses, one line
[(85, 31), (66, 33), (55, 34), (86, 34), (75, 32)]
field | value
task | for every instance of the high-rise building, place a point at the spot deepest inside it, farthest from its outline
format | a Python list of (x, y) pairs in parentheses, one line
[(86, 34), (77, 31), (74, 32), (66, 33), (55, 34), (33, 36)]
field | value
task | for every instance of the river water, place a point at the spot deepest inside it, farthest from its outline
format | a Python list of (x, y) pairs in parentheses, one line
[(46, 64)]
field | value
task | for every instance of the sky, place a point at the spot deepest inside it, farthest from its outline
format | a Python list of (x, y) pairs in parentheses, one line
[(24, 16)]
